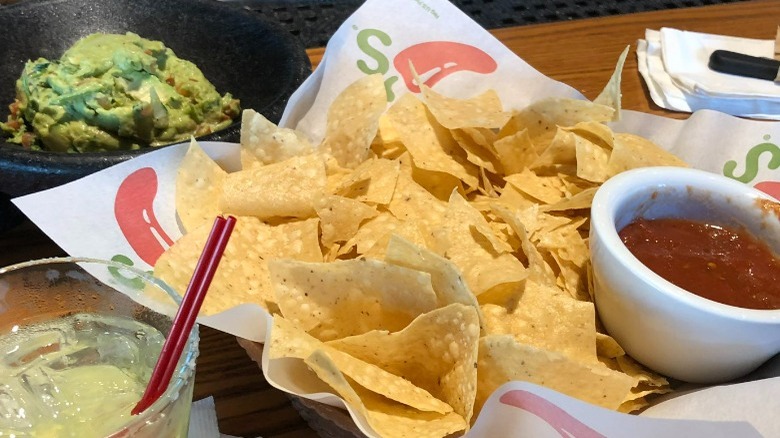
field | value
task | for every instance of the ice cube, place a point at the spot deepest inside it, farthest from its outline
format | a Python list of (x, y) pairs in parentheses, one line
[(39, 383), (26, 348), (117, 349), (17, 408), (10, 404)]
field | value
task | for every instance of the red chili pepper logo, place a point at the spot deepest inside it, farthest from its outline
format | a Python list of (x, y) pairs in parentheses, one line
[(133, 209), (563, 422), (771, 188), (443, 58)]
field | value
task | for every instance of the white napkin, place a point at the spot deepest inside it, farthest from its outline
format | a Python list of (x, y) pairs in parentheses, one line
[(203, 420), (708, 405), (674, 66)]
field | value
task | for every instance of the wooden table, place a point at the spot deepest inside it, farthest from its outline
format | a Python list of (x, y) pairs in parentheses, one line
[(581, 53)]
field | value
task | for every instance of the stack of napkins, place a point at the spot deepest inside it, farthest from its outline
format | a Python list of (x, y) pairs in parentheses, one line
[(674, 64)]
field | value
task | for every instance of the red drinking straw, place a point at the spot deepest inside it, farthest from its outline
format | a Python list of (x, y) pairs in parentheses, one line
[(188, 312)]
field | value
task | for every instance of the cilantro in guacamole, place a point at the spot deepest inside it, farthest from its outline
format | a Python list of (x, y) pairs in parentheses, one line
[(113, 92)]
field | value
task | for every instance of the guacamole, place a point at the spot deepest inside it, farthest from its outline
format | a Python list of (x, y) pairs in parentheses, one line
[(112, 92)]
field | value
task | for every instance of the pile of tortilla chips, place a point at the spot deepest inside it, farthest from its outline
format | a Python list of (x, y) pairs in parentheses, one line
[(423, 254)]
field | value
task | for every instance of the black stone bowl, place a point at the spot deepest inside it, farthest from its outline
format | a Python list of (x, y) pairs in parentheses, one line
[(238, 50)]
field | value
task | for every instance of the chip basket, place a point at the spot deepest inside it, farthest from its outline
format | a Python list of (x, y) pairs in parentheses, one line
[(328, 421)]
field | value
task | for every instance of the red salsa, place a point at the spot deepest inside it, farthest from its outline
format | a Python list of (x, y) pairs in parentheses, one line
[(722, 264)]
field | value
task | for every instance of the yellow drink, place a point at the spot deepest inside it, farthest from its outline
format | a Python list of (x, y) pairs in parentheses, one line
[(76, 354), (74, 376)]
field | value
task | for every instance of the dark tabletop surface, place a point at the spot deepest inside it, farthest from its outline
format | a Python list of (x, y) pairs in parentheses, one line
[(314, 21)]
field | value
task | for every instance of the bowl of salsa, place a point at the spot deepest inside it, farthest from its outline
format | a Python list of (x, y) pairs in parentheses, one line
[(686, 271)]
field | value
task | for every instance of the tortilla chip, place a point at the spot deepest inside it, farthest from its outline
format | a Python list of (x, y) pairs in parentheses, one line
[(568, 112), (484, 110), (372, 182), (242, 275), (610, 95), (595, 132), (444, 364), (544, 189), (549, 320), (503, 359), (286, 189), (375, 233), (387, 418), (198, 187), (353, 120), (538, 269), (607, 346), (341, 217), (476, 153), (592, 160), (580, 201), (484, 261), (561, 151), (288, 341), (411, 202), (267, 143), (350, 297), (516, 152), (445, 276), (430, 145), (632, 151)]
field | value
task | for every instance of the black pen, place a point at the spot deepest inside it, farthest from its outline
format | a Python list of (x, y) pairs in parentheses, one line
[(734, 63)]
